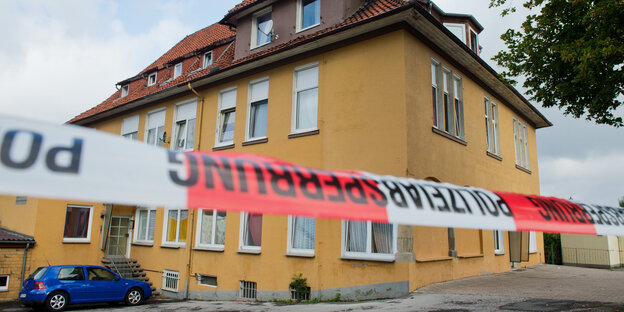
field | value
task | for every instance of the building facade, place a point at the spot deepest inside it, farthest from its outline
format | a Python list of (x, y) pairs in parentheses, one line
[(386, 86)]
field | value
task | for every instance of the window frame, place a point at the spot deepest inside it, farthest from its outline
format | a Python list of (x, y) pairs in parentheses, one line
[(532, 242), (137, 226), (177, 243), (125, 90), (149, 79), (457, 25), (437, 120), (221, 114), (458, 112), (521, 144), (499, 236), (204, 65), (8, 282), (242, 248), (382, 257), (147, 124), (177, 73), (89, 226), (248, 129), (296, 90), (300, 12), (212, 246), (254, 27), (476, 41), (492, 126), (176, 119), (298, 252), (128, 127)]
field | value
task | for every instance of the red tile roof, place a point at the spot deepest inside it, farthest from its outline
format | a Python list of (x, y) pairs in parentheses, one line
[(217, 33), (8, 237)]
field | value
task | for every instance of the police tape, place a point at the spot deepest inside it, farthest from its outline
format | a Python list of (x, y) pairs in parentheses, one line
[(75, 163)]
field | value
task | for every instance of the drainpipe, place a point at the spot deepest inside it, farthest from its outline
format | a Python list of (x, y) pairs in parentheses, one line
[(201, 114), (189, 247), (24, 262)]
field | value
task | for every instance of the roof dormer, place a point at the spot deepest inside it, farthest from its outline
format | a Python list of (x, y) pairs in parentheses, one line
[(464, 26)]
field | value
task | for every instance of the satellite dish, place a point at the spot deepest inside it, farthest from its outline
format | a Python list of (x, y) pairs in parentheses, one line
[(266, 28)]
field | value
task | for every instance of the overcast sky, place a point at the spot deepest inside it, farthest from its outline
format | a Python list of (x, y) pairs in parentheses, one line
[(60, 58)]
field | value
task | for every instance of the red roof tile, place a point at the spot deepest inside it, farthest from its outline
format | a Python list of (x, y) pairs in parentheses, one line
[(7, 236)]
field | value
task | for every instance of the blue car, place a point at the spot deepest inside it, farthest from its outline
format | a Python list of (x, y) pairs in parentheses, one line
[(55, 287)]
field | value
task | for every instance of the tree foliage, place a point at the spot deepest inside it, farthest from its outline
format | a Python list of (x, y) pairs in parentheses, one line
[(621, 202), (571, 54)]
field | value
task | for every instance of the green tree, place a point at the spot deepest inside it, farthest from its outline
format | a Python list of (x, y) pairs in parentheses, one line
[(622, 202), (571, 55)]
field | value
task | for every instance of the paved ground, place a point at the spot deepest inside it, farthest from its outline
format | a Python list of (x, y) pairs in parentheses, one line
[(540, 288)]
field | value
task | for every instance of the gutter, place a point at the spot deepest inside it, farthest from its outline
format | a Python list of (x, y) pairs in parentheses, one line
[(24, 263)]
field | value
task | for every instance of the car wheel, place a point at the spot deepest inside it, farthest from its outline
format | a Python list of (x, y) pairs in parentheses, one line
[(56, 301), (134, 296)]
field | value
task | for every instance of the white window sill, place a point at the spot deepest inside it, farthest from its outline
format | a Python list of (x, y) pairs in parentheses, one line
[(210, 248), (259, 46), (144, 243), (309, 27), (300, 253), (76, 240), (499, 253), (172, 245), (300, 133), (4, 289), (368, 257), (248, 250), (255, 141)]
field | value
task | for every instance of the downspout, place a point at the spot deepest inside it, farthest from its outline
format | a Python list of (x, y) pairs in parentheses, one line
[(194, 211), (201, 114), (24, 263)]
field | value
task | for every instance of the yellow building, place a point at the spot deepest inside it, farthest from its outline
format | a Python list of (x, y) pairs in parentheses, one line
[(390, 87)]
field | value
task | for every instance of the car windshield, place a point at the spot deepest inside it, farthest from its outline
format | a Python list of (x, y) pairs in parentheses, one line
[(38, 274)]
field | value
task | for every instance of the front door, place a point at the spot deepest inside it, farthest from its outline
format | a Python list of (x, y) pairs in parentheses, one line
[(119, 236)]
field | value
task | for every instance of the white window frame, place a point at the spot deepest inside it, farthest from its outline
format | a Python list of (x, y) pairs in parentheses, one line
[(137, 226), (532, 242), (500, 249), (199, 280), (147, 119), (296, 90), (220, 114), (176, 119), (209, 62), (174, 276), (254, 27), (125, 89), (249, 102), (449, 26), (5, 287), (177, 243), (242, 248), (492, 126), (300, 17), (470, 32), (129, 126), (458, 116), (212, 246), (368, 255), (150, 81), (291, 251), (521, 144), (89, 226), (177, 70), (436, 82)]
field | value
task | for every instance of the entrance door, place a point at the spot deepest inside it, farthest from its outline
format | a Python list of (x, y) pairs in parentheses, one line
[(119, 236)]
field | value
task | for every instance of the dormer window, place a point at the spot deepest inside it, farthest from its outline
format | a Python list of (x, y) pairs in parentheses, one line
[(474, 43), (207, 59), (262, 26), (124, 90), (309, 14), (151, 79), (459, 30), (177, 70)]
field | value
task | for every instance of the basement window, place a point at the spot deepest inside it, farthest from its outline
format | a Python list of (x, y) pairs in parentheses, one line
[(248, 290), (170, 280), (207, 280), (4, 283)]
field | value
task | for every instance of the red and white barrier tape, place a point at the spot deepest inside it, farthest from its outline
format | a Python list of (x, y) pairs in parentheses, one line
[(75, 163)]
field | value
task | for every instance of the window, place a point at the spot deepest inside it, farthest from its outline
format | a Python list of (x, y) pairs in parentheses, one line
[(447, 100), (301, 232), (130, 127), (210, 230), (21, 200), (247, 290), (250, 238), (499, 245), (151, 79), (4, 283), (474, 43), (177, 70), (207, 59), (145, 225), (305, 101), (258, 109), (491, 126), (368, 240), (458, 30), (77, 224), (185, 126), (175, 226), (99, 274), (207, 280), (71, 274), (155, 132), (262, 27), (226, 117), (124, 90), (532, 242), (309, 13), (170, 280), (522, 145)]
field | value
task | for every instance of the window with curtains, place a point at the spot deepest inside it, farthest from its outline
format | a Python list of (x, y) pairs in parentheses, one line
[(226, 117), (210, 230), (301, 233), (130, 127), (144, 225), (305, 98), (185, 126), (175, 227), (499, 245), (155, 128), (309, 14), (368, 240), (250, 239), (262, 28), (77, 224), (258, 109)]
